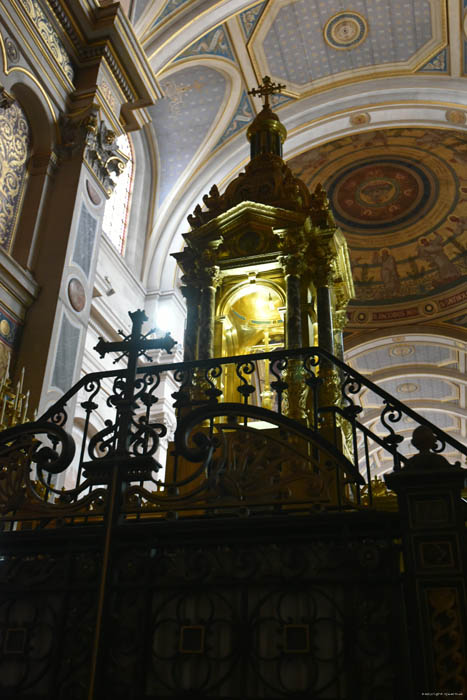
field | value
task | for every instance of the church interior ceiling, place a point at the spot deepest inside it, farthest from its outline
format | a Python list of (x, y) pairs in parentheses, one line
[(370, 116), (337, 63), (375, 108)]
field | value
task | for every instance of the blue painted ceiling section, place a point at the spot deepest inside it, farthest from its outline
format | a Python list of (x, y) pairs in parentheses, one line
[(249, 18), (214, 43), (438, 64), (243, 117), (184, 118), (296, 50), (169, 8)]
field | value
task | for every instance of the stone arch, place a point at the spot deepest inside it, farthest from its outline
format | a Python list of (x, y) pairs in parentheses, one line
[(44, 132), (142, 201), (423, 368)]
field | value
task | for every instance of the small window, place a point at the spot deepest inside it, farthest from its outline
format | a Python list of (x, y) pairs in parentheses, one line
[(117, 209)]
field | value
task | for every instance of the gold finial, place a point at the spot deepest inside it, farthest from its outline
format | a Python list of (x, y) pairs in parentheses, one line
[(266, 89)]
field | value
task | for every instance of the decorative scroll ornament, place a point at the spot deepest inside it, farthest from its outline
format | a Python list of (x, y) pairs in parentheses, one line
[(103, 155), (101, 152), (49, 36), (14, 150)]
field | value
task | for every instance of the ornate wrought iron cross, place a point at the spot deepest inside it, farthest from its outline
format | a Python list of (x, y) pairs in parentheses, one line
[(266, 89), (132, 346), (135, 344)]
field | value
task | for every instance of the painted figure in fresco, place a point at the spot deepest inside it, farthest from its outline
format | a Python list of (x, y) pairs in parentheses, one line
[(430, 139), (305, 166), (216, 44), (460, 224), (432, 250), (389, 272), (367, 140), (462, 194)]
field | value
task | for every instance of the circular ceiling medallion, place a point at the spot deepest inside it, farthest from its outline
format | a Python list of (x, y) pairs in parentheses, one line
[(401, 350), (76, 294), (5, 327), (398, 197), (378, 195), (456, 116), (345, 31), (360, 119), (407, 388)]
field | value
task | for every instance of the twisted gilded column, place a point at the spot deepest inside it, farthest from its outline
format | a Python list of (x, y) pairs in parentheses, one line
[(189, 261), (192, 297), (210, 280), (324, 279), (292, 244)]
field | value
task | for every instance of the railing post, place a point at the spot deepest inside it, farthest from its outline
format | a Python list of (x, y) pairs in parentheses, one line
[(433, 533)]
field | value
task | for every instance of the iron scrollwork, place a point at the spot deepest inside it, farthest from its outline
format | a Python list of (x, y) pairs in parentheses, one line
[(209, 465)]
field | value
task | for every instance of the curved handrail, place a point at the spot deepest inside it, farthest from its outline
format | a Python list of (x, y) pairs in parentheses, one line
[(271, 356)]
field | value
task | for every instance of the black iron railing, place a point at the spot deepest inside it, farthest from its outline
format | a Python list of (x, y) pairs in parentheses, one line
[(279, 431)]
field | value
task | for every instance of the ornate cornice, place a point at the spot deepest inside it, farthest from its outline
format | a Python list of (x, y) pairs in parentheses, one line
[(91, 50)]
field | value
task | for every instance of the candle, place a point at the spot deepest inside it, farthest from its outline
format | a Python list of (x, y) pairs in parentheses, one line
[(25, 409), (16, 398), (21, 381)]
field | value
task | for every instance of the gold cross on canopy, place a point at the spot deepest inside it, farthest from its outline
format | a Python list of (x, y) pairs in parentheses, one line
[(266, 89)]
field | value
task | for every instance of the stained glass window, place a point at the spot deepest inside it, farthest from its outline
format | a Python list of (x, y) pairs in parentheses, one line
[(117, 209)]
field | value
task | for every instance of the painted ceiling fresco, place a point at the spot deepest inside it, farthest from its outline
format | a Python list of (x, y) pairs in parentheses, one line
[(400, 196), (193, 97), (306, 42)]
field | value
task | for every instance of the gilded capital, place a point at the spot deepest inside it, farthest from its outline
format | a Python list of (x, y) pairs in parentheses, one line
[(340, 319), (292, 264), (189, 261), (99, 143), (324, 271), (292, 245), (210, 276)]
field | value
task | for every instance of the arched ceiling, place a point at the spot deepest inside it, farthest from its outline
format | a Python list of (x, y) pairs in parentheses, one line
[(347, 68), (375, 106)]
